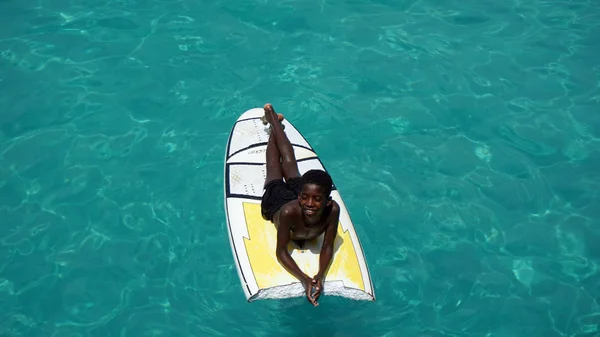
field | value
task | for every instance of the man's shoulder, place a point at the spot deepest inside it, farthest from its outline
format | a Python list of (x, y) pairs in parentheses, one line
[(334, 214), (285, 216), (335, 208), (289, 209)]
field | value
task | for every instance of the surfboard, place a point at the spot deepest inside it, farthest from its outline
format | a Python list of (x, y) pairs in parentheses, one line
[(253, 239)]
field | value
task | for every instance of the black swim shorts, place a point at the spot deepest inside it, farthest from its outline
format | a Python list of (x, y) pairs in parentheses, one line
[(278, 193)]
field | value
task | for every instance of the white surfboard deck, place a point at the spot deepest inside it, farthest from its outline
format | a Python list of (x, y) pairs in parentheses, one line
[(253, 239)]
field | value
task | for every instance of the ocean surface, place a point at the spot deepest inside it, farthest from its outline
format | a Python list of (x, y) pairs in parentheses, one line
[(464, 137)]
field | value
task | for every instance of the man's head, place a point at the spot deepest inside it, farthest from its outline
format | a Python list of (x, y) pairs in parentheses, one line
[(315, 194)]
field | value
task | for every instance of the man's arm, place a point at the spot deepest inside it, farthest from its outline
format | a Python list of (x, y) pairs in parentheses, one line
[(328, 241), (283, 237)]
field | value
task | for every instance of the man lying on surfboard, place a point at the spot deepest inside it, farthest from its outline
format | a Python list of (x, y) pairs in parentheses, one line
[(300, 207)]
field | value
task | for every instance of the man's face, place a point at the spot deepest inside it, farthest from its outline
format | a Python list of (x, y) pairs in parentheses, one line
[(312, 200)]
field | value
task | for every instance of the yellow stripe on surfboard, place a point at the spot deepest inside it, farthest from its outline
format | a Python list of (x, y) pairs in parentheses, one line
[(268, 272)]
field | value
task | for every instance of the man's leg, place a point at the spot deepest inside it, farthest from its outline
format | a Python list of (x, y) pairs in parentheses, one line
[(289, 165), (274, 170)]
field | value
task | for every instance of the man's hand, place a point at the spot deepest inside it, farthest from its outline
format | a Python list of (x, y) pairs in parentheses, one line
[(317, 282), (309, 286)]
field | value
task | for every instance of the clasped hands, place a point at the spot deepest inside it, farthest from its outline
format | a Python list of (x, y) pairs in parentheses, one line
[(313, 288)]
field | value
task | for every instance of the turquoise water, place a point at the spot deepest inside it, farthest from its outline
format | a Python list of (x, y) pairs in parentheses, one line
[(463, 135)]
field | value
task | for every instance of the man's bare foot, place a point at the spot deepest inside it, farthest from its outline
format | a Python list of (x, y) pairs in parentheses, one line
[(268, 117)]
